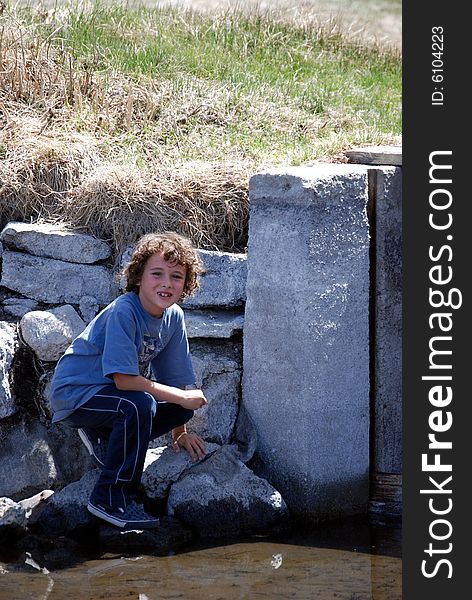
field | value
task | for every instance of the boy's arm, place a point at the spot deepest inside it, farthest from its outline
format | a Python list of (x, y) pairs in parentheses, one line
[(191, 399), (192, 442)]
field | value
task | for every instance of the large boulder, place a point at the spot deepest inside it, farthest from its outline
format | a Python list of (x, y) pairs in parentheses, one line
[(36, 457), (50, 332), (221, 497), (56, 281), (163, 466), (53, 241), (66, 511)]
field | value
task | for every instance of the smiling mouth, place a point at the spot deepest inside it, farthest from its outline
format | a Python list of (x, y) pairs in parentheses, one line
[(164, 294)]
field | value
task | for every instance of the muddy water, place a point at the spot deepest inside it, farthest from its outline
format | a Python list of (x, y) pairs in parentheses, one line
[(344, 561)]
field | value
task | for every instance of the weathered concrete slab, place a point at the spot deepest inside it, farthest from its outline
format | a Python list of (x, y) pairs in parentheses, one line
[(52, 241), (35, 457), (306, 336), (55, 281), (213, 324), (388, 321)]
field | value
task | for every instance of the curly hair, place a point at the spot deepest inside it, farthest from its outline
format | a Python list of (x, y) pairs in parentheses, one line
[(175, 248)]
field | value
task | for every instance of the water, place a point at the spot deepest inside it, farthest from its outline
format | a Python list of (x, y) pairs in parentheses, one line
[(349, 560)]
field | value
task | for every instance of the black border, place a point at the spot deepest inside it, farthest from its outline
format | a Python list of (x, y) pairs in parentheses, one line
[(429, 128)]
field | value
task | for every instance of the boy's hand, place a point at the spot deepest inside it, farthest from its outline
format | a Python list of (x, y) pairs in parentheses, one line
[(192, 399), (192, 442)]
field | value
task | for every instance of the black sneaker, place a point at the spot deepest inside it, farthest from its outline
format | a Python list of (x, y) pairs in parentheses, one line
[(97, 447), (131, 517)]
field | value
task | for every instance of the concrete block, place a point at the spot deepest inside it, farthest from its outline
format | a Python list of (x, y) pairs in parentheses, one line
[(306, 336)]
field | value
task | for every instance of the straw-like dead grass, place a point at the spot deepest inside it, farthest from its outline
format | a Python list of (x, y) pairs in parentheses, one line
[(208, 203)]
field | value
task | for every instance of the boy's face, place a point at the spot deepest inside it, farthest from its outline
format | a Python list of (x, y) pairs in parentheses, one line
[(161, 285)]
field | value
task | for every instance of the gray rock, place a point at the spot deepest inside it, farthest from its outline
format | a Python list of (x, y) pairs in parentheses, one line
[(35, 458), (89, 308), (213, 324), (52, 241), (223, 284), (54, 281), (30, 504), (27, 467), (306, 335), (45, 375), (18, 307), (8, 345), (12, 513), (218, 373), (163, 466), (50, 332), (222, 497), (13, 520), (66, 510)]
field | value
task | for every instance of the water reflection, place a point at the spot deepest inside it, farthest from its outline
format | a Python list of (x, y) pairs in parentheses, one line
[(303, 567)]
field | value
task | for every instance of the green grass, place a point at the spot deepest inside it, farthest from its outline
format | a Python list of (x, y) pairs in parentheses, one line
[(248, 88)]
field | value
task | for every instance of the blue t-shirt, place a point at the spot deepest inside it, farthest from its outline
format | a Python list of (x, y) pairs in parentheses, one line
[(126, 339)]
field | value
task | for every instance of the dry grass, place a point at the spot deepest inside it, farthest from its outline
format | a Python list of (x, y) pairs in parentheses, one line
[(118, 154), (51, 172)]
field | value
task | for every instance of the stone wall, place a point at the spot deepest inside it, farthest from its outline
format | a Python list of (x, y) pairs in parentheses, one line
[(53, 282), (319, 295)]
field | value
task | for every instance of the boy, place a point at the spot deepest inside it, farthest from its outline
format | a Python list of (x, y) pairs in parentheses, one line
[(127, 378)]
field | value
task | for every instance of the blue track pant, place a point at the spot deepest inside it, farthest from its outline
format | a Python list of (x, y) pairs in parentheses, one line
[(130, 420)]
